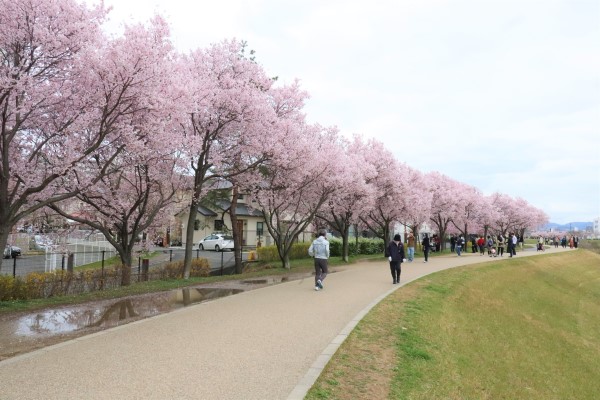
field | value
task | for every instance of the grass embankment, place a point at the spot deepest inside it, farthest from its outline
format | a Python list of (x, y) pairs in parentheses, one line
[(526, 328)]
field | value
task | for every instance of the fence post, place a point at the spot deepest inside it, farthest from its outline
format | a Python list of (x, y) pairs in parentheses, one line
[(70, 262), (14, 267), (222, 262), (170, 255), (102, 273), (198, 253), (62, 262), (145, 267)]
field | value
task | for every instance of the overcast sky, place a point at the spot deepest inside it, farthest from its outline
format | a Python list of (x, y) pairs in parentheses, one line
[(503, 95)]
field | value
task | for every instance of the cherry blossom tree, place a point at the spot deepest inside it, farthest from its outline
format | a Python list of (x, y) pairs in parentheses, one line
[(224, 116), (529, 217), (287, 103), (387, 183), (417, 201), (353, 194), (297, 182), (134, 175), (126, 203), (508, 216), (469, 203), (490, 217), (44, 48), (444, 204)]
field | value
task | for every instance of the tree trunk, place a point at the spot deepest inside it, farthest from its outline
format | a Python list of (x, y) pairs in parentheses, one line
[(345, 243), (4, 231), (189, 239), (286, 261), (237, 238), (126, 273)]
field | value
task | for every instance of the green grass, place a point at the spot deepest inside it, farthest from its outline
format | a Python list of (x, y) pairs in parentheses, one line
[(521, 329)]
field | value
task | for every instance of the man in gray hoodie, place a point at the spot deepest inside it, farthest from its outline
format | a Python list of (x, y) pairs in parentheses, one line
[(319, 249)]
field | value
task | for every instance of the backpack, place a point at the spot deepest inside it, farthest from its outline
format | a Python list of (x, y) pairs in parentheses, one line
[(490, 242)]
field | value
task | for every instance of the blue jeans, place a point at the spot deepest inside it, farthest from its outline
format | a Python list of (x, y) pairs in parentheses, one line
[(458, 248), (411, 253)]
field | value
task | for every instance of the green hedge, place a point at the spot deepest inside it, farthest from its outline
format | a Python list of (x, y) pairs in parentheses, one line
[(300, 250), (364, 246), (269, 253)]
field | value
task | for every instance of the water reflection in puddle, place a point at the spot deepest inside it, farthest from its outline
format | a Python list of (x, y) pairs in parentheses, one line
[(66, 320), (265, 281)]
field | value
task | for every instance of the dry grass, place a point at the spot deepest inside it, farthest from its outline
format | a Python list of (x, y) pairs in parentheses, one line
[(521, 329)]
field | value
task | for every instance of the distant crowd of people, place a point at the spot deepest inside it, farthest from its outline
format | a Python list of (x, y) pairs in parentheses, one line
[(494, 245)]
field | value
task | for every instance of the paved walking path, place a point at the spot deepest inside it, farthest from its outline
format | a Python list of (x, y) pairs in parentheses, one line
[(268, 343)]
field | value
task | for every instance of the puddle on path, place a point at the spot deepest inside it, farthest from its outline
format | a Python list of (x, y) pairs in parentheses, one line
[(25, 332), (38, 329), (73, 318), (265, 281)]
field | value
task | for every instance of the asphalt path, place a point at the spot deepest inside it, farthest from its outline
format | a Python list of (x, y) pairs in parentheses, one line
[(269, 343)]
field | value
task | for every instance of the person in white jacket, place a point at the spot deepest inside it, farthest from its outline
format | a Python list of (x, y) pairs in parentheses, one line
[(319, 249)]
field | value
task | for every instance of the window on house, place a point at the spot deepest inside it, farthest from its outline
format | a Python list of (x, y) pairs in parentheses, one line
[(259, 228), (197, 225), (218, 224), (240, 197)]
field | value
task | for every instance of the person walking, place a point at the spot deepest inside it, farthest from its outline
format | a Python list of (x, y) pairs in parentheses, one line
[(513, 244), (500, 245), (490, 245), (319, 249), (452, 243), (395, 254), (425, 243), (411, 247), (458, 244), (481, 245)]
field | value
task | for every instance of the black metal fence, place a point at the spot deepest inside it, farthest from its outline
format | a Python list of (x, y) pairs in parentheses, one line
[(220, 262)]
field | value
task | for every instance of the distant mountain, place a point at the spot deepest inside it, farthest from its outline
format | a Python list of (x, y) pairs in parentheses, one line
[(581, 226)]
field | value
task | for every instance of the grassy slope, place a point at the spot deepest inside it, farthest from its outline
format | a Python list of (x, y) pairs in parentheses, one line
[(524, 329)]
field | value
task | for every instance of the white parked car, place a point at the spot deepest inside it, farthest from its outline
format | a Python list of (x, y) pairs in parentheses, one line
[(216, 242)]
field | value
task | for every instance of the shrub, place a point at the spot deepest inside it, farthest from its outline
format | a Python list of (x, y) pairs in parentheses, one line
[(365, 246), (269, 253), (12, 288), (174, 270)]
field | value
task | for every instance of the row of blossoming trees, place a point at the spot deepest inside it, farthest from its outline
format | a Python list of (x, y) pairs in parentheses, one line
[(107, 130)]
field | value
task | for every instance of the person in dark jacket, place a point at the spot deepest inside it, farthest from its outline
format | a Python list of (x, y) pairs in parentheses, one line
[(425, 244), (395, 254)]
